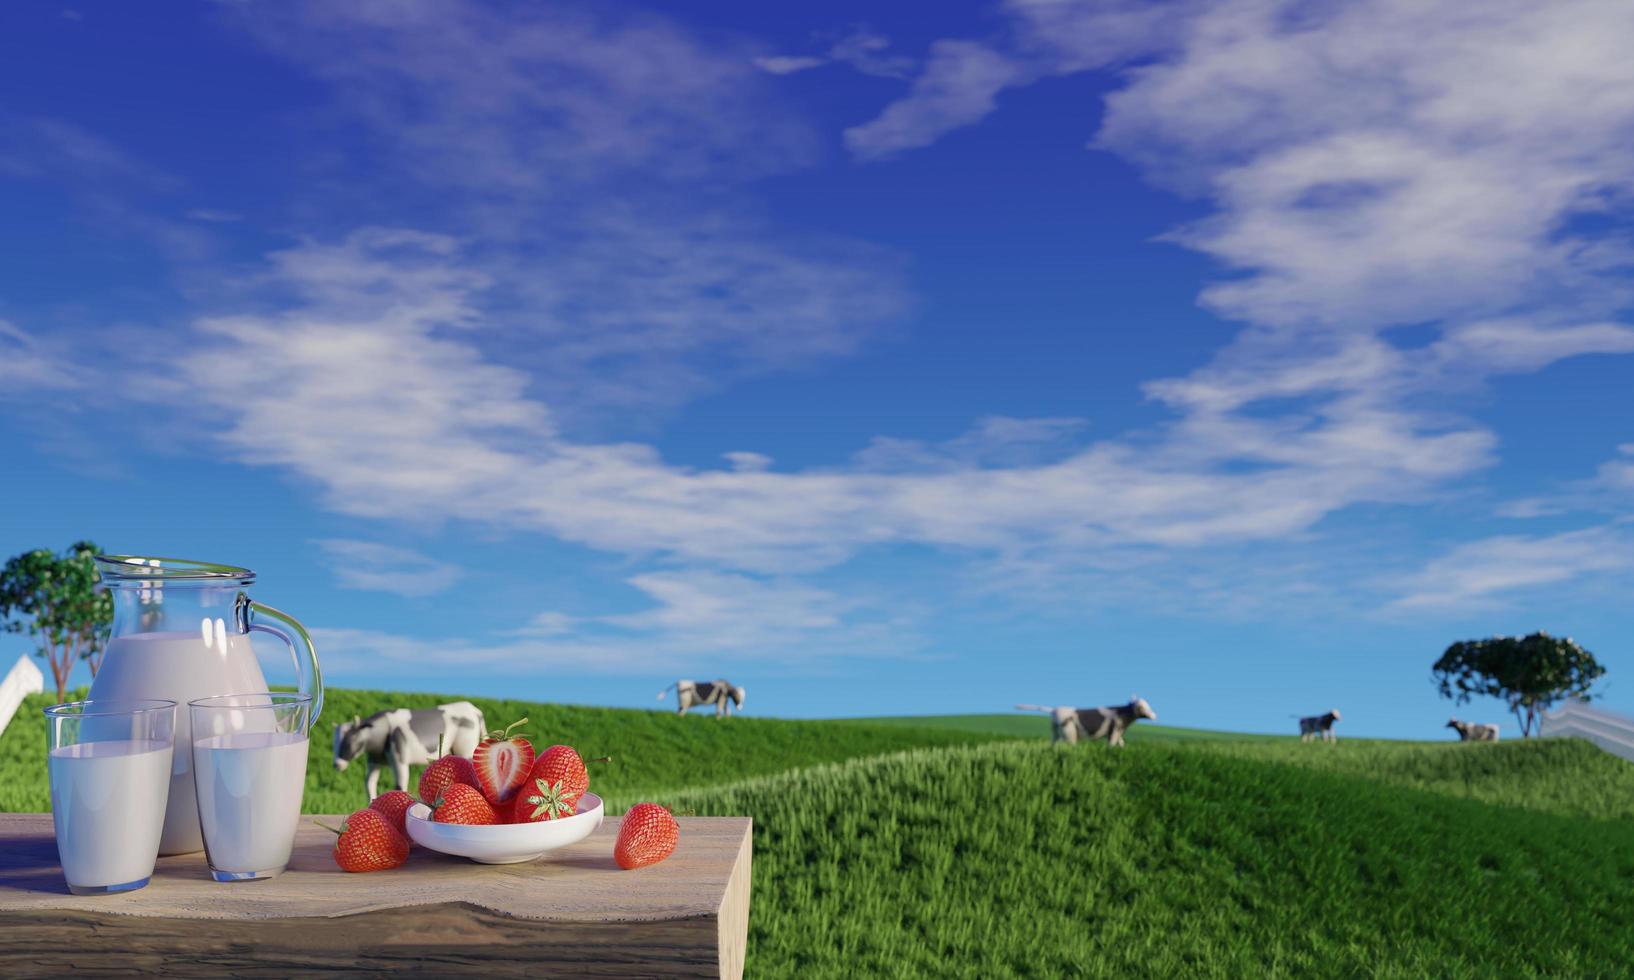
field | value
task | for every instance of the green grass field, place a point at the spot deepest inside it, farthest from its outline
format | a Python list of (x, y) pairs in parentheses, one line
[(968, 846), (654, 753), (1022, 724)]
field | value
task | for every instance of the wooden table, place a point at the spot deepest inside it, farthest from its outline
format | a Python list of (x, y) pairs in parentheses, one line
[(571, 913)]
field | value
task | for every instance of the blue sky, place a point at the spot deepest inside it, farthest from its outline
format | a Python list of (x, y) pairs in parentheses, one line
[(1240, 355)]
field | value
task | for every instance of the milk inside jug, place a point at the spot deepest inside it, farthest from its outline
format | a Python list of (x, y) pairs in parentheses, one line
[(181, 631)]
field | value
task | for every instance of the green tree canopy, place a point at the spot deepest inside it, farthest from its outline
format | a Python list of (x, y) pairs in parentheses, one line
[(54, 599), (1529, 673)]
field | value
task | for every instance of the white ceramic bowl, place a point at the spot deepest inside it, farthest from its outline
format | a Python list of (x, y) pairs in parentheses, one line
[(508, 843)]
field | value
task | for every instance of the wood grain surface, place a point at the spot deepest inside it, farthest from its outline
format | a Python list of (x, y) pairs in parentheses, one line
[(572, 912)]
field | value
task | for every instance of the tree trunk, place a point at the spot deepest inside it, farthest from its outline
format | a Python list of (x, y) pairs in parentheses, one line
[(59, 673), (93, 654)]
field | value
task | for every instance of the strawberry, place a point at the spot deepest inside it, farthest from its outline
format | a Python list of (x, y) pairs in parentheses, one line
[(554, 787), (463, 804), (561, 764), (367, 842), (647, 835), (502, 761), (395, 805), (541, 801), (443, 773)]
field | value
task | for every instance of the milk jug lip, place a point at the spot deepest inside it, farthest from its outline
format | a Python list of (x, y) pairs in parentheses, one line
[(146, 571)]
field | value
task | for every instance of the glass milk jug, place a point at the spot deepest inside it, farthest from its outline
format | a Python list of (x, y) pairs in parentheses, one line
[(181, 632)]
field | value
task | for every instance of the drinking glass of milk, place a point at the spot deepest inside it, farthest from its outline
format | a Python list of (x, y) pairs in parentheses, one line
[(110, 779), (249, 771)]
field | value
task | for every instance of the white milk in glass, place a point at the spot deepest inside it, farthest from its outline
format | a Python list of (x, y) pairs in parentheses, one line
[(249, 797), (108, 804), (178, 667)]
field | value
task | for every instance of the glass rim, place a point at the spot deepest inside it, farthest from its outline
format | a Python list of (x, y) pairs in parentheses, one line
[(274, 699), (148, 571), (108, 706)]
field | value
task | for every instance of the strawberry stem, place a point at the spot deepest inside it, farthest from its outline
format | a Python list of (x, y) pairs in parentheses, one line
[(500, 736), (332, 830)]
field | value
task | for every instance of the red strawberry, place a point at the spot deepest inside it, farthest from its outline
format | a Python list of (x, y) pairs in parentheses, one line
[(561, 764), (541, 801), (554, 787), (367, 842), (502, 762), (463, 804), (647, 835), (443, 773), (395, 806)]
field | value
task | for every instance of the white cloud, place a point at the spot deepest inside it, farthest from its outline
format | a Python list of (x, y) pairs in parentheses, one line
[(868, 52), (1372, 163), (44, 147), (537, 100), (698, 620), (959, 85), (1370, 166), (1480, 573), (730, 611), (378, 397), (1384, 162), (862, 49), (1520, 346), (787, 64), (992, 441), (591, 169), (1610, 490), (1618, 474), (376, 567), (28, 365), (633, 313), (961, 80)]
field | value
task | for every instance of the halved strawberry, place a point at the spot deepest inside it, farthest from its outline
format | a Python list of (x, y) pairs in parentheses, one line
[(502, 761)]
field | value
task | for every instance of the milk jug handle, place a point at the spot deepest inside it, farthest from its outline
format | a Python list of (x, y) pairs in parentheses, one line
[(294, 635)]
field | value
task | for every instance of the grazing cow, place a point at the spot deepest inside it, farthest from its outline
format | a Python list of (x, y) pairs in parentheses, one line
[(404, 737), (1319, 726), (1069, 724), (690, 694), (1469, 731)]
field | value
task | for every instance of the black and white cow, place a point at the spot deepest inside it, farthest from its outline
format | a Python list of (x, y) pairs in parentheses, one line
[(1319, 726), (690, 694), (404, 737), (1069, 724), (1469, 731)]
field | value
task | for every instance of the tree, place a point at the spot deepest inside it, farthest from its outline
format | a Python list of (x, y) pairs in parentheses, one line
[(54, 599), (1530, 673)]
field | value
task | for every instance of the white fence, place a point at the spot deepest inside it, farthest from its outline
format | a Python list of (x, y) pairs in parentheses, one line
[(24, 679), (1574, 719)]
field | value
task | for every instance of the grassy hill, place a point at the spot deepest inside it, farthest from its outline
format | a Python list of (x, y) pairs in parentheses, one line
[(1162, 860), (1023, 724), (966, 845), (654, 753)]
